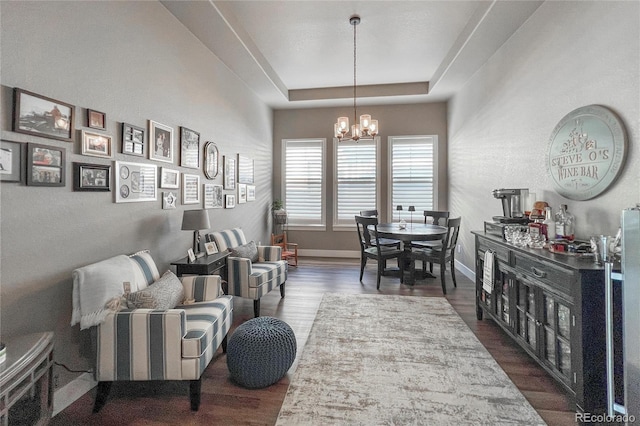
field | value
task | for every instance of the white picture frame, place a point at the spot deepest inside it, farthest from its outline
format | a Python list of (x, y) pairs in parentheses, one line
[(229, 201), (251, 192), (135, 182), (190, 189), (191, 255), (169, 199), (211, 248), (242, 193), (169, 178), (160, 142), (212, 196), (96, 144)]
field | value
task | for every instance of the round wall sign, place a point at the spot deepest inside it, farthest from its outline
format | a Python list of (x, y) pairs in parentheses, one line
[(586, 152)]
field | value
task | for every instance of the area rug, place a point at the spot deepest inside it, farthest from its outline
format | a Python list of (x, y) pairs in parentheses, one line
[(397, 360)]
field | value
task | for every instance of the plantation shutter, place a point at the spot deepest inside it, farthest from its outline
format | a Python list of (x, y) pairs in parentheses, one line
[(412, 174), (356, 179), (303, 176)]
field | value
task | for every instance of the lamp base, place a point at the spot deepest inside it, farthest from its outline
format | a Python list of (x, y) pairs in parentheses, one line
[(196, 243)]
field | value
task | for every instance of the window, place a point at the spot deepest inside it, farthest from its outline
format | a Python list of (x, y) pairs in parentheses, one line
[(303, 181), (412, 171), (356, 184)]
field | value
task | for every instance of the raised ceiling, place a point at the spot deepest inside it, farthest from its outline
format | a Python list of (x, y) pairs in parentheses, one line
[(299, 54)]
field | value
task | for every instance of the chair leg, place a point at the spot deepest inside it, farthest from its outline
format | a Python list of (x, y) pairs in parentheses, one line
[(282, 290), (453, 273), (431, 267), (256, 308), (380, 270), (443, 269), (363, 263), (194, 394), (224, 344), (101, 395)]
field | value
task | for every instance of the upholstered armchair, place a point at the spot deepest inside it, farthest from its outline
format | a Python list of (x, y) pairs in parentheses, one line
[(173, 336), (252, 271)]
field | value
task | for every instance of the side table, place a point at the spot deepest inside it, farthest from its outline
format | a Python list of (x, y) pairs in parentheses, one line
[(26, 380), (215, 264)]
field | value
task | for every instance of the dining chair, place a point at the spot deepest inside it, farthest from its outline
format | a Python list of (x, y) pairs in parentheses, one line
[(440, 255), (367, 232), (388, 242)]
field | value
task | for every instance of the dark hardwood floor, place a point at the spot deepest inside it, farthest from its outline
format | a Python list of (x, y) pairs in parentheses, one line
[(159, 403)]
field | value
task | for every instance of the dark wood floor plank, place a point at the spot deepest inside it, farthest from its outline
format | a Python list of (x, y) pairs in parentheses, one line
[(225, 403)]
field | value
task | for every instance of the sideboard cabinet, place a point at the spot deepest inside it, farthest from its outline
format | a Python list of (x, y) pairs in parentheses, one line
[(553, 306)]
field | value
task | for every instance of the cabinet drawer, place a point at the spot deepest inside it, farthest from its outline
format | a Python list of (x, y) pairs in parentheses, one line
[(501, 252), (555, 277), (217, 264)]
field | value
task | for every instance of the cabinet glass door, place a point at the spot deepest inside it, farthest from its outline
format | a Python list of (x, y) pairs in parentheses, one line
[(526, 313), (486, 298), (503, 298), (557, 334)]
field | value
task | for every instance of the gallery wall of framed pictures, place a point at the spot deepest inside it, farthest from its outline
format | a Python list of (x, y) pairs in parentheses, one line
[(39, 164)]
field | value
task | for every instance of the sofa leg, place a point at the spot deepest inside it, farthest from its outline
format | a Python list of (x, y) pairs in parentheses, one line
[(282, 290), (224, 344), (194, 394), (256, 308), (101, 395)]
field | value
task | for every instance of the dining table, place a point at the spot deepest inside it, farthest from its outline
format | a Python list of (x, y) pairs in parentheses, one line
[(412, 232)]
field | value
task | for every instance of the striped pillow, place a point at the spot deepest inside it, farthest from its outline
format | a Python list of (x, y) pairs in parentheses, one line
[(228, 239), (144, 269)]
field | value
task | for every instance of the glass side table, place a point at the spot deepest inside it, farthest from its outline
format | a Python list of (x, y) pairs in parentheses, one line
[(26, 380)]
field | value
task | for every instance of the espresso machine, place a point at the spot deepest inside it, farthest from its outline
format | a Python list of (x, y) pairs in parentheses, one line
[(512, 205)]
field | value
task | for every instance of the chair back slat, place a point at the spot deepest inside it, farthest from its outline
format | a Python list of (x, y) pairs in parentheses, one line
[(437, 217), (367, 226), (369, 213), (452, 233)]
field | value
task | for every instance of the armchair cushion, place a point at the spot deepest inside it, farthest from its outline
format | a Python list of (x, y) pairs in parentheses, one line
[(144, 268), (247, 251), (204, 321), (166, 293), (201, 288)]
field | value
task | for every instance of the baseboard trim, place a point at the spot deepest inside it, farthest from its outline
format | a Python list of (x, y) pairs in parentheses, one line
[(330, 253), (465, 271), (72, 391)]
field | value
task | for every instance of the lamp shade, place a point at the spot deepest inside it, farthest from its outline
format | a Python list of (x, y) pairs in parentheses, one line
[(398, 207), (412, 208), (194, 220)]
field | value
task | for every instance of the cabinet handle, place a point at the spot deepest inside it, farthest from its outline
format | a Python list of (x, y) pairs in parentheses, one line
[(538, 273)]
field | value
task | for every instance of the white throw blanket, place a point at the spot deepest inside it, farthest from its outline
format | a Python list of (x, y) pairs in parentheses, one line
[(487, 276), (94, 285)]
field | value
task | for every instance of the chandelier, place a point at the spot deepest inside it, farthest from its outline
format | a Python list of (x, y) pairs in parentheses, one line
[(367, 128)]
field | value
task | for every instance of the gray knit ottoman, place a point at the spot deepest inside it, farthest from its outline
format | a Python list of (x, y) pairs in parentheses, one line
[(260, 352)]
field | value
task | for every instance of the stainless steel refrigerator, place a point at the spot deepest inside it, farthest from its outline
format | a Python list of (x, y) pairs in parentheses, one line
[(626, 402)]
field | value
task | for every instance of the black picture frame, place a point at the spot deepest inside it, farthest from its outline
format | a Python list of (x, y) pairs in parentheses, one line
[(11, 161), (91, 177), (42, 116), (133, 142), (45, 165), (189, 148), (96, 119)]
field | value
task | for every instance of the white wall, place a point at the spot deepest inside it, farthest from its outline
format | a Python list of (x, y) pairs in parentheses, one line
[(567, 55), (135, 62)]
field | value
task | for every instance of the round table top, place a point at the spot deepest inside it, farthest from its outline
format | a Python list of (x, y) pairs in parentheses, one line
[(413, 231)]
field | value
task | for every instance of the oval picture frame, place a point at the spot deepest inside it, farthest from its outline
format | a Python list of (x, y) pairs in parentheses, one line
[(586, 152), (211, 160)]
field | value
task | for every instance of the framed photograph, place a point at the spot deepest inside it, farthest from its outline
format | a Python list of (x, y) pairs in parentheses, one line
[(242, 193), (96, 119), (192, 255), (135, 182), (169, 200), (190, 189), (229, 201), (211, 160), (251, 192), (38, 115), (189, 148), (133, 140), (11, 161), (91, 177), (245, 169), (169, 178), (211, 248), (212, 196), (160, 142), (45, 165), (229, 172), (96, 144)]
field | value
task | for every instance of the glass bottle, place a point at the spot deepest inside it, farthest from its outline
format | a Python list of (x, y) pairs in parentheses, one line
[(565, 224), (549, 223)]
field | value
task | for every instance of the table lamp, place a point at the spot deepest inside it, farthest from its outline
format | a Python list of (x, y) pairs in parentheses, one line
[(399, 209), (412, 209), (195, 220)]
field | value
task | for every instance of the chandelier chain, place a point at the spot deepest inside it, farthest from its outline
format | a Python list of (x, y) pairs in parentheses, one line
[(355, 115)]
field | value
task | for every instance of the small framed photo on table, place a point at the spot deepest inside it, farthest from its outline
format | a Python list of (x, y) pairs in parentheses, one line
[(192, 255), (211, 248)]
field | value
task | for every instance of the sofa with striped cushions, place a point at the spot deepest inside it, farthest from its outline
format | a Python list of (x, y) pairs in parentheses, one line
[(250, 278), (152, 344)]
